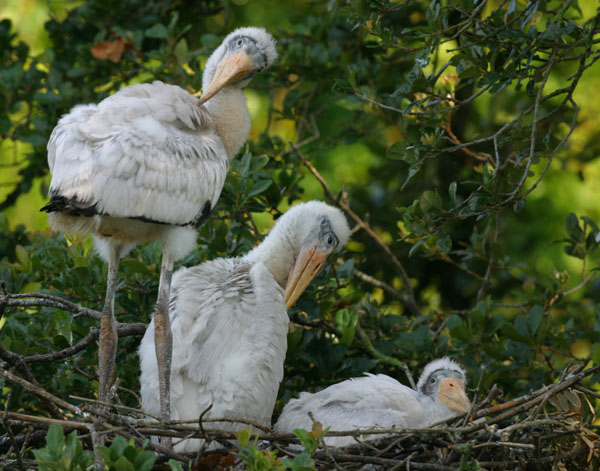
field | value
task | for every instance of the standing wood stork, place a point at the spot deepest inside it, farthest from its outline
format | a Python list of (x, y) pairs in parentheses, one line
[(230, 322), (148, 163), (378, 401)]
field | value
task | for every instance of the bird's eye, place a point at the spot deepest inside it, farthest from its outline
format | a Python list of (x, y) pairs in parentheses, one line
[(432, 381), (330, 240), (239, 42)]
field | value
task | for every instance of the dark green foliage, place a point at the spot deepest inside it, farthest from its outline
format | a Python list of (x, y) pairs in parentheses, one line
[(447, 125), (62, 454), (124, 456), (257, 459)]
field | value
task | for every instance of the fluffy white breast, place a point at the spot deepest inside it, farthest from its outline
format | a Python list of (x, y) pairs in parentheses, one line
[(229, 325)]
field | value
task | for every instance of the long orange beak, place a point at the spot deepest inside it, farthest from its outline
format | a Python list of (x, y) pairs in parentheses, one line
[(452, 393), (307, 265), (234, 68)]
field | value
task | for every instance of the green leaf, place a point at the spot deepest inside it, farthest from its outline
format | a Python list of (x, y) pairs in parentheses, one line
[(55, 439), (258, 187), (444, 243), (104, 453), (23, 257), (123, 464), (48, 98), (180, 51), (144, 460), (416, 246), (158, 31), (452, 192), (345, 269), (397, 150), (245, 164), (118, 446), (433, 11), (534, 319), (4, 124), (595, 355), (430, 200), (259, 162), (175, 465), (352, 73)]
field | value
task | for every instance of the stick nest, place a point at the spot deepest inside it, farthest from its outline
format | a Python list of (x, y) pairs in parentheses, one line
[(547, 429)]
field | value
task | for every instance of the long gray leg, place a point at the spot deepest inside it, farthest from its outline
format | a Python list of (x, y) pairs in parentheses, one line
[(108, 328), (108, 343), (163, 340)]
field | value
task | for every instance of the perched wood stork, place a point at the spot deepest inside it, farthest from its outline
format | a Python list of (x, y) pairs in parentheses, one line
[(230, 322), (148, 163), (378, 401)]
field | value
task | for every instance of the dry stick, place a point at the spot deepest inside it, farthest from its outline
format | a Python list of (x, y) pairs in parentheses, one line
[(48, 300), (489, 398), (18, 418), (11, 436), (124, 330), (528, 400), (384, 461), (43, 299), (408, 300), (587, 391), (17, 361), (41, 392), (110, 404), (533, 461), (378, 284), (484, 157)]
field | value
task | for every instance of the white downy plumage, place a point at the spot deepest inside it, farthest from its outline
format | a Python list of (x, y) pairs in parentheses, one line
[(380, 402), (229, 320), (148, 163)]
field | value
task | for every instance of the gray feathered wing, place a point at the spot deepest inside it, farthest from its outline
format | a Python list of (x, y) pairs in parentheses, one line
[(147, 152)]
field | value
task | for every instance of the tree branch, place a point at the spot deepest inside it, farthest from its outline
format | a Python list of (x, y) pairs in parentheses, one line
[(343, 203)]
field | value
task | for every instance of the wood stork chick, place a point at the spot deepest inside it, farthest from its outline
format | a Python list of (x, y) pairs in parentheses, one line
[(230, 322), (378, 401), (148, 163)]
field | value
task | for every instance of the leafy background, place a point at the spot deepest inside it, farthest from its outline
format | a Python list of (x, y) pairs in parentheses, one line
[(472, 240)]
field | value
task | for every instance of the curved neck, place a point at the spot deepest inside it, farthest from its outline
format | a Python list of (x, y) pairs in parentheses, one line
[(230, 113), (278, 252)]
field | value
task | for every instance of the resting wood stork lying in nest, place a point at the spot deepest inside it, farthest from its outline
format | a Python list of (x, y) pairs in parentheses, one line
[(380, 402)]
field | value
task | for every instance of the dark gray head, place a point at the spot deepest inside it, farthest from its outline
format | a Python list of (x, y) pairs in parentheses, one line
[(444, 381)]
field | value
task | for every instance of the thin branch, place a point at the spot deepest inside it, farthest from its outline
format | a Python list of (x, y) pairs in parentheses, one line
[(378, 284), (41, 392), (11, 435), (343, 203)]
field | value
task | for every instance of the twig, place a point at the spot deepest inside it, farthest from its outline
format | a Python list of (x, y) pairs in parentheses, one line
[(41, 392), (16, 417), (17, 361), (48, 300), (408, 300), (11, 435), (378, 284)]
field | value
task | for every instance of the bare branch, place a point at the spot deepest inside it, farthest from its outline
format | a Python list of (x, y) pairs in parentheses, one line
[(343, 203)]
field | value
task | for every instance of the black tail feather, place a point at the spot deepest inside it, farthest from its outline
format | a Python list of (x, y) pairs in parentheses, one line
[(72, 207)]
